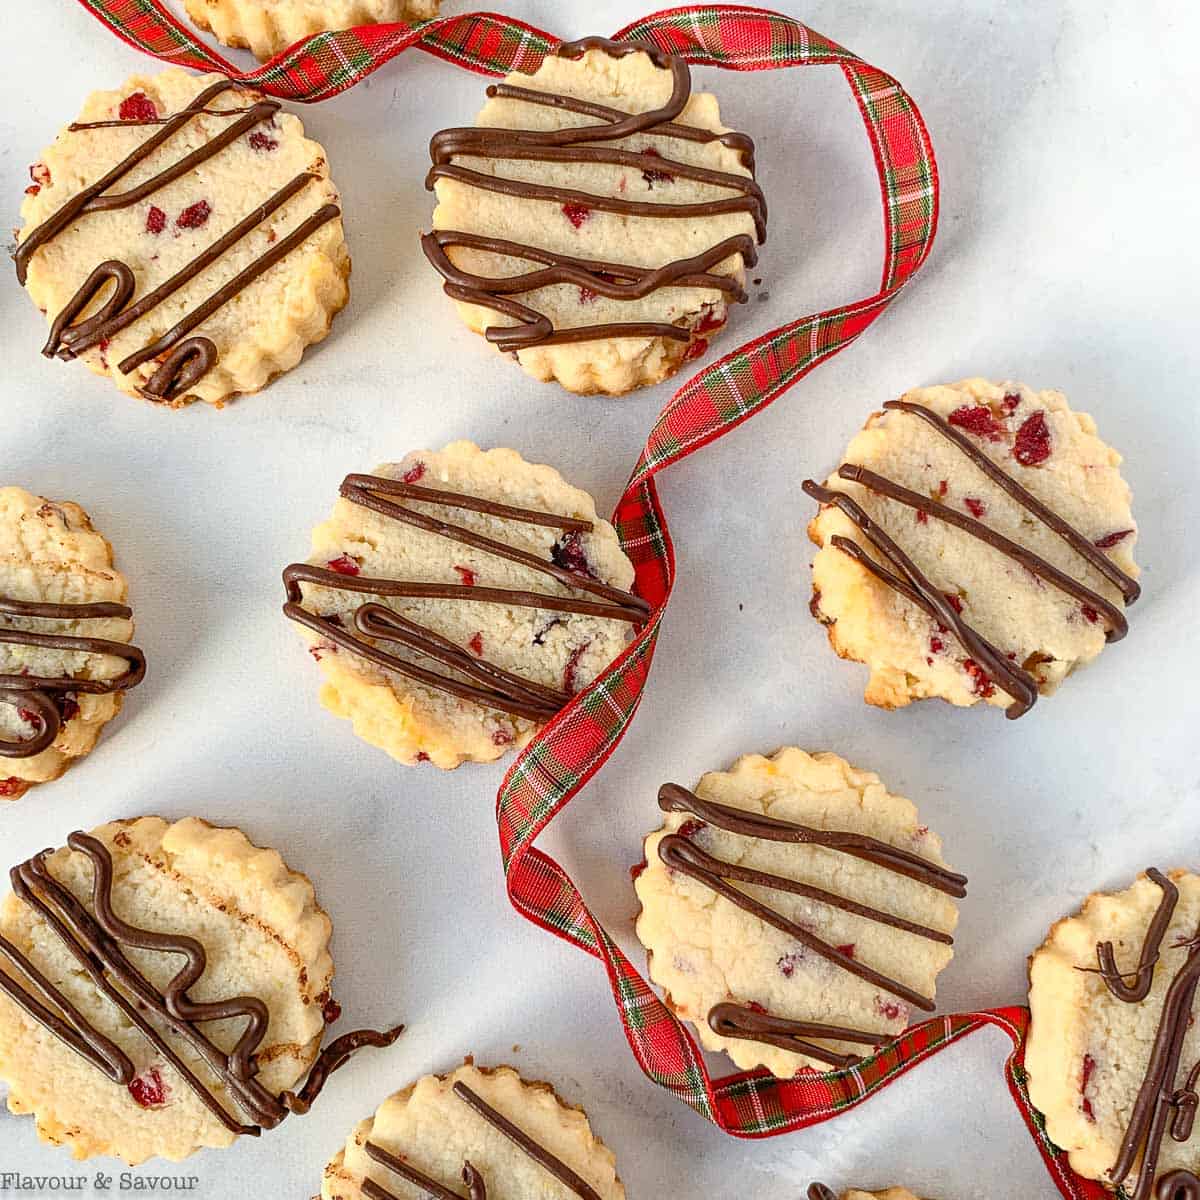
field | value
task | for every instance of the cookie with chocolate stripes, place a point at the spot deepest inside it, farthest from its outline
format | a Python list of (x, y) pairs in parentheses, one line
[(794, 911)]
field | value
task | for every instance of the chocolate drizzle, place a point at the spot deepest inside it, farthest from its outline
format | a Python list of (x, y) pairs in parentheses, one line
[(1160, 1107), (577, 144), (477, 1189), (818, 1191), (906, 578), (96, 940), (183, 360), (475, 678), (730, 1020), (32, 693)]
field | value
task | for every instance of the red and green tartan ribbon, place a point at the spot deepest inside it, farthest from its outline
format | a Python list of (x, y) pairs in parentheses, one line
[(579, 740)]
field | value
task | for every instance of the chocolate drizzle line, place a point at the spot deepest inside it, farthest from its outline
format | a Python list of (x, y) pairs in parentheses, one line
[(184, 360), (1143, 976), (680, 854), (907, 579), (572, 144), (95, 940), (737, 1021), (473, 1179), (30, 692), (1160, 1107), (485, 683), (818, 1191)]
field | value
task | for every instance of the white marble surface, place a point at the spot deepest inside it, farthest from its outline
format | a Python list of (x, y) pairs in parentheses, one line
[(1067, 257)]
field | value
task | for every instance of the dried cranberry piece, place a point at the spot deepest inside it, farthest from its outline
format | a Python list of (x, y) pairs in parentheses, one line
[(710, 322), (981, 685), (922, 518), (343, 565), (414, 473), (568, 553), (696, 347), (787, 965), (422, 756), (330, 1011), (1089, 1065), (1089, 613), (689, 829), (587, 296), (138, 107), (12, 786), (977, 419), (156, 220), (936, 645), (975, 507), (67, 707), (40, 174), (1109, 540), (943, 487), (1009, 404), (260, 142), (569, 675), (501, 737), (847, 949), (194, 216), (1033, 441), (476, 645), (755, 1007), (576, 213), (954, 601), (468, 577), (890, 1010), (149, 1089), (653, 176)]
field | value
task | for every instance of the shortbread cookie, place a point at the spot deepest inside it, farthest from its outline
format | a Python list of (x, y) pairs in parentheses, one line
[(598, 219), (818, 1191), (478, 1133), (976, 545), (268, 26), (1114, 1047), (458, 599), (163, 988), (184, 238), (794, 911), (65, 658)]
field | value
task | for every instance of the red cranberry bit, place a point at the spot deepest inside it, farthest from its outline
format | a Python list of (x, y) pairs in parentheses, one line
[(587, 296), (501, 737), (30, 718), (787, 965), (847, 949), (710, 322), (194, 216), (1033, 441), (539, 638), (40, 174), (981, 685), (653, 176), (977, 419), (322, 649), (696, 347), (635, 872), (422, 756), (156, 220), (263, 144), (68, 709), (468, 577), (330, 1011), (954, 602), (890, 1010), (576, 213), (922, 518), (343, 565), (149, 1090), (689, 829), (1008, 405), (476, 645), (936, 645), (138, 107), (571, 669), (975, 507), (1089, 1065), (1109, 540), (414, 473), (12, 786), (568, 553), (943, 487), (755, 1007), (1090, 613)]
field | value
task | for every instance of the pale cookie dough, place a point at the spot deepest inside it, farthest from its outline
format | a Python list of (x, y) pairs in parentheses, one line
[(1053, 453), (254, 329), (560, 650), (268, 26), (432, 1129), (51, 554), (1088, 1050), (576, 222), (263, 936), (705, 950)]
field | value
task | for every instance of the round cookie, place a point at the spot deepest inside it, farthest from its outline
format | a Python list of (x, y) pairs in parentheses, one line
[(1112, 996), (65, 658), (794, 911), (184, 238), (818, 1191), (457, 599), (129, 964), (479, 1131), (976, 545), (597, 221), (268, 26)]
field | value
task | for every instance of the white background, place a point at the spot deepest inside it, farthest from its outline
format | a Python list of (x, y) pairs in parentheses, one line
[(1066, 138)]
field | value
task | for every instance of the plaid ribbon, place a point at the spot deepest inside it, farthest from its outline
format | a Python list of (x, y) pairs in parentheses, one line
[(579, 740)]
